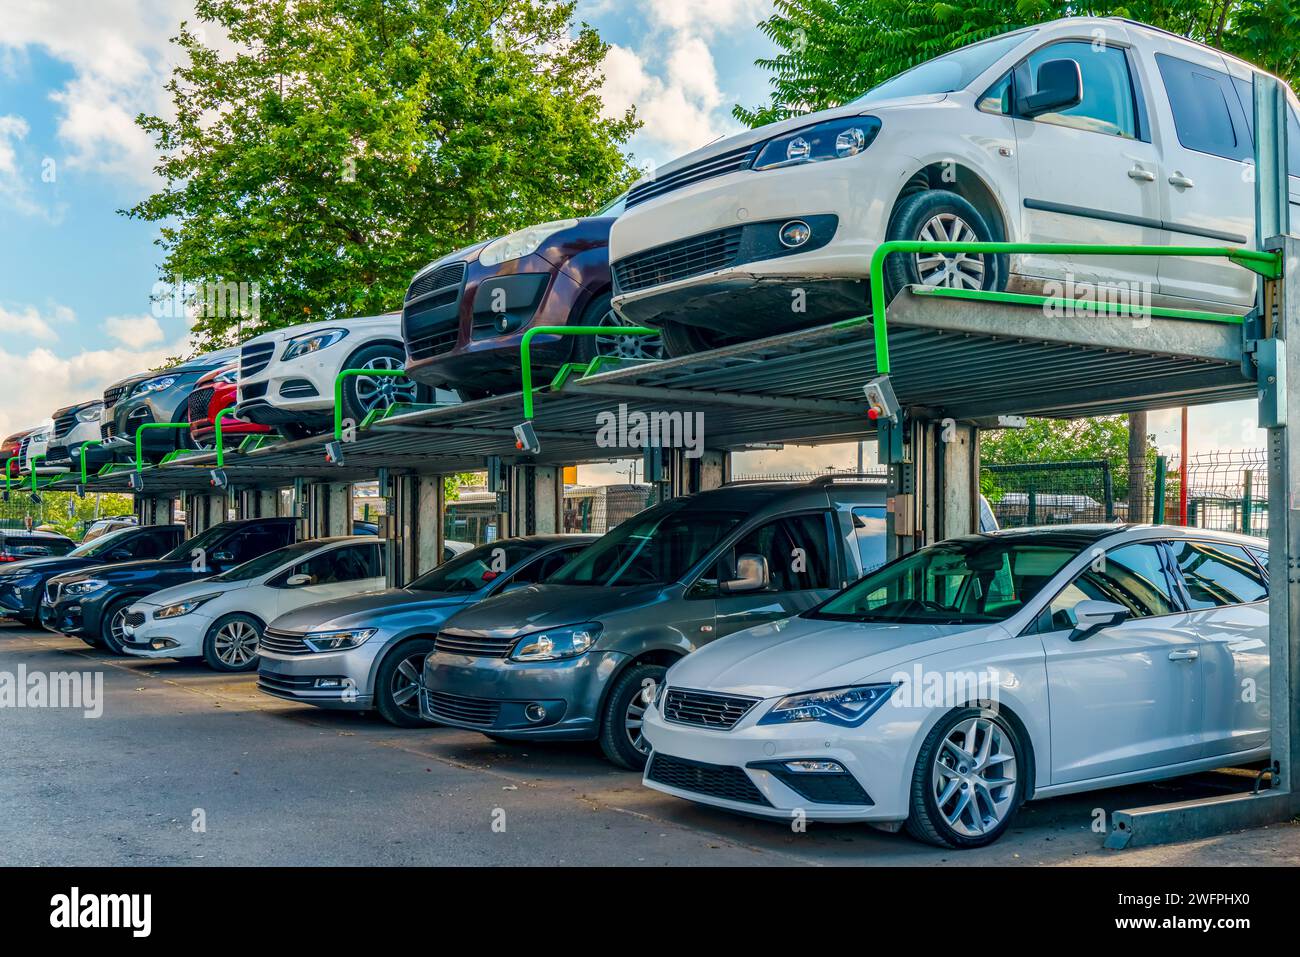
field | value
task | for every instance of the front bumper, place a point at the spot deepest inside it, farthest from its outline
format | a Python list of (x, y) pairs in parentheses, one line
[(293, 390), (336, 680), (75, 617), (491, 694), (20, 598), (180, 637), (706, 766)]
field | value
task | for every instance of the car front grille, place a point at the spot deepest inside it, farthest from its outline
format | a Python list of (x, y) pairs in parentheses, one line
[(270, 681), (715, 780), (112, 394), (728, 162), (134, 618), (64, 424), (436, 344), (52, 592), (200, 403), (441, 278), (474, 646), (458, 709), (283, 642), (689, 257), (704, 709), (22, 450), (254, 358)]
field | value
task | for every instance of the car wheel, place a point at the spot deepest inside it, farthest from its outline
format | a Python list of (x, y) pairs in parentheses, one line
[(231, 643), (363, 394), (616, 344), (112, 625), (621, 723), (969, 780), (940, 216), (397, 684)]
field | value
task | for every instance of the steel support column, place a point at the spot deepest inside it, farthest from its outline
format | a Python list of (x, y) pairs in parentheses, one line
[(328, 509), (536, 499)]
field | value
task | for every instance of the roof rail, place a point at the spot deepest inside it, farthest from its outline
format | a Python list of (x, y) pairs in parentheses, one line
[(853, 476)]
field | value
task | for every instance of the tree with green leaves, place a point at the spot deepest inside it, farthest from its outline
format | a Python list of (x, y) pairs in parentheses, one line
[(830, 51), (326, 149)]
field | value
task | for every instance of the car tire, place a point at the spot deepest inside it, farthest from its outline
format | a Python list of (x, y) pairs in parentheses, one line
[(599, 312), (619, 720), (226, 645), (110, 625), (941, 813), (392, 680), (940, 215), (361, 394)]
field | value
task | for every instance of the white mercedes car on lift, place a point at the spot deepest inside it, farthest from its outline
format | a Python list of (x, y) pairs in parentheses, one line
[(286, 377), (1080, 130), (944, 689), (221, 619)]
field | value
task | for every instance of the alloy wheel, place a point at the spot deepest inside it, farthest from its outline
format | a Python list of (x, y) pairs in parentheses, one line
[(117, 626), (382, 392), (954, 270), (624, 345), (235, 643), (973, 777), (405, 686), (634, 720)]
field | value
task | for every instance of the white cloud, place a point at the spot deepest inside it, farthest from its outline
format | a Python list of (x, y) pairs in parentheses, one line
[(30, 321), (142, 330)]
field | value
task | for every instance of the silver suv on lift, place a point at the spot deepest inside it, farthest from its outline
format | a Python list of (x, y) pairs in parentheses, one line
[(571, 658)]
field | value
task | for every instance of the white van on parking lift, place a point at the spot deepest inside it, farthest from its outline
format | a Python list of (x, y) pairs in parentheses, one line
[(1080, 130)]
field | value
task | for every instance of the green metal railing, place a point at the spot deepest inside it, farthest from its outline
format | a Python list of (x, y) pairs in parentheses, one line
[(526, 358), (1267, 264), (216, 424), (9, 465), (139, 438), (338, 391), (81, 454)]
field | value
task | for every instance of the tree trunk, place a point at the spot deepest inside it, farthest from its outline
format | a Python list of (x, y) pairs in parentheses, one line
[(1137, 467)]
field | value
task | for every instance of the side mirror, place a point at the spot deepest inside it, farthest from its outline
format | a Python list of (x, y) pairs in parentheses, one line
[(751, 575), (119, 555), (1060, 86), (1091, 616), (295, 581), (223, 557)]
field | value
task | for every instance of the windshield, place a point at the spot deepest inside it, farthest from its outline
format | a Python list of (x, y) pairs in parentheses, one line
[(654, 548), (965, 582), (204, 540), (614, 207), (944, 74), (99, 544), (269, 562), (472, 570)]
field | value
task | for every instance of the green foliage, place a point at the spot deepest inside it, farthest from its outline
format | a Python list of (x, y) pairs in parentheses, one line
[(343, 144), (1054, 440), (63, 512), (830, 51)]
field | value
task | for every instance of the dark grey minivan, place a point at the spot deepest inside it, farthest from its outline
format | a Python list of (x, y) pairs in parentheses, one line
[(570, 658)]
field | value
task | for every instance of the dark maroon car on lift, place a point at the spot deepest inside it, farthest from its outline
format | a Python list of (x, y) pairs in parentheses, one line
[(465, 313)]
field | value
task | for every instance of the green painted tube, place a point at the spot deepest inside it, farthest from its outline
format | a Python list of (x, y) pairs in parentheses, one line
[(525, 347), (338, 392)]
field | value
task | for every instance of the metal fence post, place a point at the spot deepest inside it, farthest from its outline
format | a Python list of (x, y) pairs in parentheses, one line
[(1158, 516), (1247, 493), (1108, 491)]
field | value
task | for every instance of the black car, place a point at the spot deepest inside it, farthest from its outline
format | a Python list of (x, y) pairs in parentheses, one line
[(161, 397), (91, 604), (23, 582), (18, 545)]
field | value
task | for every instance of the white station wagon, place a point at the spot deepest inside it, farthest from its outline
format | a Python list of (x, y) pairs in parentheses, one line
[(1080, 130)]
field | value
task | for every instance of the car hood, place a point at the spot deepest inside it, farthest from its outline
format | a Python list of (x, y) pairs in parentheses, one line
[(467, 254), (187, 590), (762, 134), (50, 565), (306, 328), (123, 570), (529, 609), (806, 654), (368, 609)]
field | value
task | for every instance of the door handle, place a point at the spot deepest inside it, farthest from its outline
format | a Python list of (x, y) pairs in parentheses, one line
[(1178, 179), (1184, 655), (1142, 175)]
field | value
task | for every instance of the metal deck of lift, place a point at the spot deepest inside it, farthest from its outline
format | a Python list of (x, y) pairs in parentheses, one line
[(965, 361)]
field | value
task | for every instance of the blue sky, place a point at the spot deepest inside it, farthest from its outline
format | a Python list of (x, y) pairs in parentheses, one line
[(76, 277)]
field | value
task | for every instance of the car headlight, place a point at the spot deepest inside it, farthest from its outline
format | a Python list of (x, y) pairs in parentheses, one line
[(313, 342), (90, 415), (338, 640), (848, 707), (229, 377), (183, 607), (525, 242), (155, 385), (84, 587), (835, 139), (555, 643)]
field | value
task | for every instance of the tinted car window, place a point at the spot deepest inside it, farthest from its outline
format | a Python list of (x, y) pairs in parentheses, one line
[(1131, 575), (544, 567), (1217, 574), (797, 550), (471, 570), (348, 564), (253, 541), (1261, 556), (869, 532), (1204, 106), (944, 74), (1107, 105), (35, 546)]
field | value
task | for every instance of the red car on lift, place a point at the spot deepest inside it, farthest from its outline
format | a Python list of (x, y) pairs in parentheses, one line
[(217, 390), (9, 449)]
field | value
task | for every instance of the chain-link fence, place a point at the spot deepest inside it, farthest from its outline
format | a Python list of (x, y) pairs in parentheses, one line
[(1228, 491), (598, 508), (808, 475)]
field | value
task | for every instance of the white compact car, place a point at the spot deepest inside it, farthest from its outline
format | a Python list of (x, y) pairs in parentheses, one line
[(35, 448), (286, 377), (1080, 130), (949, 686), (221, 619)]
